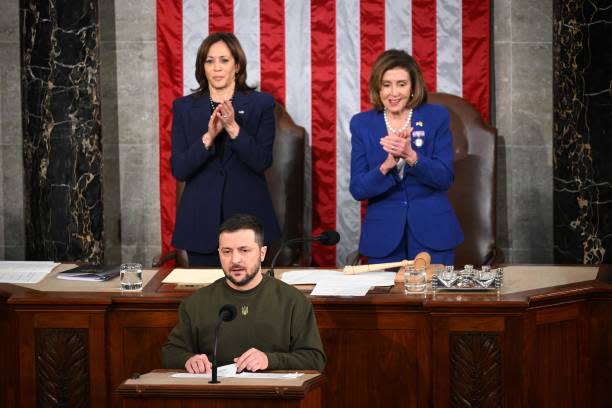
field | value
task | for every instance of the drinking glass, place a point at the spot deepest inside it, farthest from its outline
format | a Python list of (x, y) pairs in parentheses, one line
[(131, 276), (415, 280)]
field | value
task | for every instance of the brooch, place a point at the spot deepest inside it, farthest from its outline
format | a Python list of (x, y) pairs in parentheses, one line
[(418, 136)]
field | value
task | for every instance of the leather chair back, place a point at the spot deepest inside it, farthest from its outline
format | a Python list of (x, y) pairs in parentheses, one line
[(285, 179), (473, 192)]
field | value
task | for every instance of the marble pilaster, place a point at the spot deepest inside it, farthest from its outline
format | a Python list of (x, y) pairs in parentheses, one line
[(12, 226), (523, 117), (61, 127), (131, 133), (582, 137)]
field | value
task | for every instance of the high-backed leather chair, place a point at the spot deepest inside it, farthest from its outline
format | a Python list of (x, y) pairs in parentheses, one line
[(473, 192), (285, 180), (286, 184)]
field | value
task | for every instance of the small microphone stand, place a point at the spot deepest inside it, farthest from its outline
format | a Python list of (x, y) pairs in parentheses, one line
[(214, 379), (283, 245)]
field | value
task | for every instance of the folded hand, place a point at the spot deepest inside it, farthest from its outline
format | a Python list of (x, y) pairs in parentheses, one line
[(252, 360)]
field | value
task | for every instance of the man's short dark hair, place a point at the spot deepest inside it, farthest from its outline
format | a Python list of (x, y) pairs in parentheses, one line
[(244, 221)]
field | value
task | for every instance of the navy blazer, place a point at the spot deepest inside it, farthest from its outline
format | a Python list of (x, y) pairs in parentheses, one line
[(419, 199), (227, 185)]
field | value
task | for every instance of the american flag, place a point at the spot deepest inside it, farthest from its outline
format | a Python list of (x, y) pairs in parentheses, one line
[(314, 57)]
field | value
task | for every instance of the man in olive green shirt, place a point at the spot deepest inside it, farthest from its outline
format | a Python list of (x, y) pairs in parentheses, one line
[(275, 326)]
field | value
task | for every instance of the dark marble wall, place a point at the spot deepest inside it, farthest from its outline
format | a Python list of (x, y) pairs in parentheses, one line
[(583, 131), (61, 126)]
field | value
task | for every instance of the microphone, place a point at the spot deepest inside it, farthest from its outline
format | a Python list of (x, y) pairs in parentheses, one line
[(327, 238), (227, 313)]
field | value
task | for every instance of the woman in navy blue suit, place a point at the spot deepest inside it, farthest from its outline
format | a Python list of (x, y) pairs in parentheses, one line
[(222, 137), (402, 164)]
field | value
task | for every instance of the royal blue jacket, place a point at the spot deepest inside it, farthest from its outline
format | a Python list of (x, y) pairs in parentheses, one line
[(215, 186), (419, 199)]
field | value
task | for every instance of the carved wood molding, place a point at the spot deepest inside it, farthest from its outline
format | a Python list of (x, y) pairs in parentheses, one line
[(62, 368), (475, 370)]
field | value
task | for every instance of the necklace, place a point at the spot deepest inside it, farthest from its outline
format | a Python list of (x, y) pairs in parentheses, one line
[(214, 104), (400, 129)]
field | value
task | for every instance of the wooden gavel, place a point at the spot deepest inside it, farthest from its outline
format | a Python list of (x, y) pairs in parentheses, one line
[(422, 260)]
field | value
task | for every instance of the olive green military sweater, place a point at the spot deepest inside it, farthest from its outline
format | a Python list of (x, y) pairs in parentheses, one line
[(273, 317)]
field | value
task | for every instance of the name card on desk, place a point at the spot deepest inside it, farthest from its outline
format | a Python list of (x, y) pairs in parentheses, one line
[(193, 276)]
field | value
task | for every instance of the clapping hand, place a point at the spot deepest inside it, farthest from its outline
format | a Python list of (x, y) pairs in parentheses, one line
[(214, 128), (226, 115), (399, 144), (215, 125)]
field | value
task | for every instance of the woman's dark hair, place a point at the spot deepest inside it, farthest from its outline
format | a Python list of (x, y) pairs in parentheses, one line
[(237, 52), (397, 59)]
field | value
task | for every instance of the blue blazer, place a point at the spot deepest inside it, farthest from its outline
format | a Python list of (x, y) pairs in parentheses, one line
[(222, 186), (419, 199)]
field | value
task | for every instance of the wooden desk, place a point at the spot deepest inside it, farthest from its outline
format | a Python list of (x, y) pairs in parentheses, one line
[(549, 345), (158, 388)]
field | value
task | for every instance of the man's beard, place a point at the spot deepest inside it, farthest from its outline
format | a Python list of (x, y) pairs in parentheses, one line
[(250, 275)]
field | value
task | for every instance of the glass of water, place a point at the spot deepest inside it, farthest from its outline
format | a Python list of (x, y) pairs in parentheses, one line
[(131, 276), (415, 280)]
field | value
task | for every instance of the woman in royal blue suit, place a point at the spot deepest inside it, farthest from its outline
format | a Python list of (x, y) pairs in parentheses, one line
[(402, 164), (222, 137)]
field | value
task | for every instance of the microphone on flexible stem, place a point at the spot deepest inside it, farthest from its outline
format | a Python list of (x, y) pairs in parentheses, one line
[(227, 313), (327, 238)]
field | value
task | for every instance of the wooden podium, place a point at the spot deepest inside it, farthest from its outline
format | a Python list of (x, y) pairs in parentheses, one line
[(159, 389)]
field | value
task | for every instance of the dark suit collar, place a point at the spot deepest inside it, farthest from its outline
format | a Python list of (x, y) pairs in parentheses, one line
[(240, 100), (201, 102)]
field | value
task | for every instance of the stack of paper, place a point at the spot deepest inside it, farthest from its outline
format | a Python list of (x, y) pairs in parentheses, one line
[(90, 273), (229, 371), (335, 283), (24, 271)]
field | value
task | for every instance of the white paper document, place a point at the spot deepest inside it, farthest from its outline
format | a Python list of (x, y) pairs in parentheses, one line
[(193, 276), (223, 371), (229, 371), (340, 288), (24, 271), (279, 376), (309, 276), (336, 283)]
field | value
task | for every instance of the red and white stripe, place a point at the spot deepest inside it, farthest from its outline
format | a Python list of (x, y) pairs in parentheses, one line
[(315, 56)]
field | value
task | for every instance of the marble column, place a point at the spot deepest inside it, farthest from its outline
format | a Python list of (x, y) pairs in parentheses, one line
[(61, 127), (582, 62), (12, 225)]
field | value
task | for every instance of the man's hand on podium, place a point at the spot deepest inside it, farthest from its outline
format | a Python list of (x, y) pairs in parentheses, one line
[(252, 360), (199, 364)]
